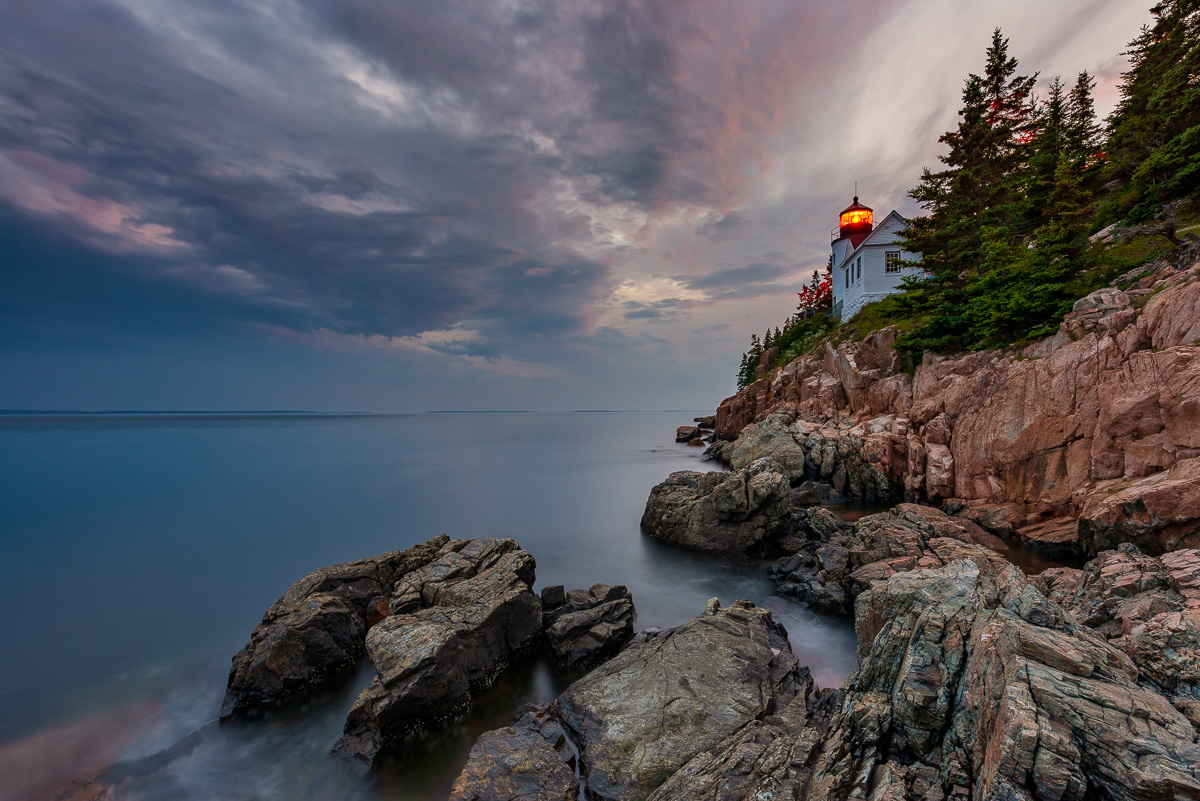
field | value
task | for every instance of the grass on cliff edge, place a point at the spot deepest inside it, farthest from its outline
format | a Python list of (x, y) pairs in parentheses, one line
[(1112, 260)]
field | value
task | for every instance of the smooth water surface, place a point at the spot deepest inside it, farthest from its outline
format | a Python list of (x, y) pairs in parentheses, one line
[(138, 552)]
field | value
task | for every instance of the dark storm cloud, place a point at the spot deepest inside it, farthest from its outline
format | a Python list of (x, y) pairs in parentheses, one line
[(517, 177), (735, 283), (371, 228), (722, 226), (665, 309), (253, 170)]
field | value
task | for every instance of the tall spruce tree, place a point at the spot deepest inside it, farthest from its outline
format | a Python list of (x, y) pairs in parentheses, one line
[(1154, 134), (974, 200), (1046, 150), (1082, 131)]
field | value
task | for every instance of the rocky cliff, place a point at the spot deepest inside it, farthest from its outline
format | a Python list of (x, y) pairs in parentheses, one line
[(1082, 440)]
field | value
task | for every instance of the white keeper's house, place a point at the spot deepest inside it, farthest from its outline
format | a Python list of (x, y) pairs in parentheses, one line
[(868, 260)]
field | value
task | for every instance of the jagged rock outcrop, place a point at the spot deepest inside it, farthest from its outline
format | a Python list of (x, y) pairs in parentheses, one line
[(666, 698), (585, 627), (454, 624), (730, 513), (770, 758), (1158, 512), (315, 631), (1100, 422), (1148, 607), (527, 761), (973, 685), (808, 452), (834, 563)]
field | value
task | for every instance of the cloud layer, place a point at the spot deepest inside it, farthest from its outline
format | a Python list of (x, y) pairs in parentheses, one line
[(566, 194)]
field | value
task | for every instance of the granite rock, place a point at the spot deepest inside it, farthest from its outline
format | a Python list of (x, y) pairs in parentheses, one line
[(730, 513)]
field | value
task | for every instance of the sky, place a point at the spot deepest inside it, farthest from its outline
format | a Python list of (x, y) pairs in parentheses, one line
[(360, 205)]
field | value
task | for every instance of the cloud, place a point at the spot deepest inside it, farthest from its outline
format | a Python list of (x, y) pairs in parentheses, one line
[(722, 226), (557, 178)]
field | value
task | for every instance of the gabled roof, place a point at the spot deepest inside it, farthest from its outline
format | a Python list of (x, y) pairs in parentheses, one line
[(873, 237)]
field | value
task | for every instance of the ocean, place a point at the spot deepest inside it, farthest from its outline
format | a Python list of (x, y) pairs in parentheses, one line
[(138, 551)]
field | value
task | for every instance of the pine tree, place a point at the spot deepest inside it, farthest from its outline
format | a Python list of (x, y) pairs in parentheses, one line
[(1082, 132), (1046, 150), (1025, 290), (1154, 134), (977, 197), (742, 383)]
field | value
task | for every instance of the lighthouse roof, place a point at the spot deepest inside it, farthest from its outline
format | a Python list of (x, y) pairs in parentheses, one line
[(856, 206), (882, 234)]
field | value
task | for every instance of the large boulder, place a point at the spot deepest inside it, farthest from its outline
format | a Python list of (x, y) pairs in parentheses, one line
[(972, 684), (856, 461), (527, 761), (585, 627), (455, 624), (771, 438), (833, 563), (769, 758), (728, 513), (645, 713), (315, 631)]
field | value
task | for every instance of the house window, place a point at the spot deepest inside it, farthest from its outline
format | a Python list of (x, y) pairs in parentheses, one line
[(892, 261), (858, 269), (848, 276)]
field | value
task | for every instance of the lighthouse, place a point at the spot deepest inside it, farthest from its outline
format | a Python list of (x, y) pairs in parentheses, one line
[(869, 262), (854, 224)]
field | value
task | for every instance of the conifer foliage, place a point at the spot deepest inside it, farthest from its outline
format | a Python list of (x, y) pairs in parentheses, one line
[(1154, 135), (999, 244), (1026, 180)]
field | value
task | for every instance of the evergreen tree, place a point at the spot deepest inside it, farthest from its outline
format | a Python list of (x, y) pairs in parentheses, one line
[(750, 361), (1154, 134), (1025, 290), (1082, 132), (1046, 150), (976, 198), (742, 383)]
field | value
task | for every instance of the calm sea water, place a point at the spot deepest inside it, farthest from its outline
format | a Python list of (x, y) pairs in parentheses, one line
[(137, 554)]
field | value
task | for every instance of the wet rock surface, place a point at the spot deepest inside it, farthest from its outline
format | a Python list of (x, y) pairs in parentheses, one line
[(585, 627), (769, 758), (454, 624), (972, 684), (834, 562), (527, 761), (727, 513), (315, 631), (644, 714)]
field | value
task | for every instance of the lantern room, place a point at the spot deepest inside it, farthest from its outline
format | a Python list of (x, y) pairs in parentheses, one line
[(855, 222)]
